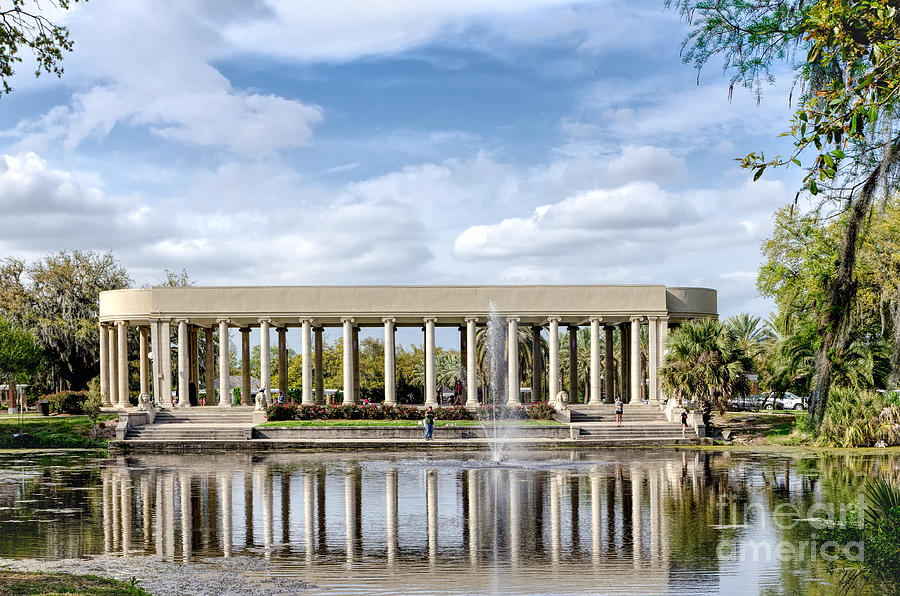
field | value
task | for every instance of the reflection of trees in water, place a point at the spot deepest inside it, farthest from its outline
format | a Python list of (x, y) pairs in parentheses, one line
[(34, 490)]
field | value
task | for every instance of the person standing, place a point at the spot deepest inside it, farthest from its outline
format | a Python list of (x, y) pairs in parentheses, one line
[(429, 423), (683, 423), (619, 411)]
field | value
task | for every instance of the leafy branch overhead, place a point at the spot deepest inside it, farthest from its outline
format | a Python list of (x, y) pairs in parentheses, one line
[(846, 63), (23, 26)]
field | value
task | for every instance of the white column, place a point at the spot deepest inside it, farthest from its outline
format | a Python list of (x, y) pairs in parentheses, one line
[(113, 362), (430, 398), (595, 517), (635, 359), (183, 364), (122, 355), (390, 374), (471, 364), (164, 355), (265, 357), (225, 397), (595, 362), (513, 361), (653, 360), (143, 351), (515, 512), (309, 514), (348, 360), (104, 366), (555, 480), (306, 360), (610, 373), (554, 359), (663, 336)]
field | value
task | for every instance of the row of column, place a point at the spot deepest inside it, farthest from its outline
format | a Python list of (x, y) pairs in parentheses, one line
[(114, 360)]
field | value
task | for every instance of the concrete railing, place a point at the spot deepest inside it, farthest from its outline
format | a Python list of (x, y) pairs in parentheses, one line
[(129, 420)]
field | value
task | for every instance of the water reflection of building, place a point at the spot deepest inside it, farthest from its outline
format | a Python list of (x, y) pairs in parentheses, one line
[(593, 516)]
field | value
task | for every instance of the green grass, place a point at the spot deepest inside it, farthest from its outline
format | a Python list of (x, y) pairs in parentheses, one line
[(53, 432), (305, 423), (14, 582)]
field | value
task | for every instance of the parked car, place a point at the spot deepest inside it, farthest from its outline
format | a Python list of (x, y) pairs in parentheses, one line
[(788, 401)]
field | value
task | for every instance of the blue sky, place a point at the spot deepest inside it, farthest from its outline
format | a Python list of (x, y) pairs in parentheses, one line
[(497, 141)]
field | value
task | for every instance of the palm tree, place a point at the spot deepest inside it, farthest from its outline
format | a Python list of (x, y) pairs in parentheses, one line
[(704, 362)]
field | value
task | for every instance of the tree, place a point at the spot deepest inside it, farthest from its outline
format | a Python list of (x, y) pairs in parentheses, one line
[(56, 298), (849, 80), (20, 355), (704, 363), (21, 28)]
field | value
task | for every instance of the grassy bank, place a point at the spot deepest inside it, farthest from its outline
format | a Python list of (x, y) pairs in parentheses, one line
[(14, 582), (293, 423), (53, 432), (777, 429)]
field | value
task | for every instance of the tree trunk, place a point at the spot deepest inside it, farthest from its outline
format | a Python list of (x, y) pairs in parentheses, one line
[(834, 324), (894, 378)]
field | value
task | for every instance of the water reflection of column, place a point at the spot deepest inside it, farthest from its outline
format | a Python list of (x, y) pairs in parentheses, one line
[(126, 515), (285, 507), (308, 513), (619, 512), (595, 517), (474, 512), (351, 480), (514, 521), (555, 481), (391, 496), (107, 512), (248, 506), (159, 514), (116, 520), (637, 482), (264, 488), (320, 509), (654, 519), (432, 504), (147, 509), (169, 515), (663, 525), (226, 538), (574, 508), (184, 484)]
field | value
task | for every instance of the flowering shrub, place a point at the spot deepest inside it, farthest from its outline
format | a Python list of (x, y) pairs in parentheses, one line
[(279, 412), (541, 411)]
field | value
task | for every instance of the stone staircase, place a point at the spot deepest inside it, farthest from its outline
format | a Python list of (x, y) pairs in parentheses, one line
[(641, 425), (196, 424)]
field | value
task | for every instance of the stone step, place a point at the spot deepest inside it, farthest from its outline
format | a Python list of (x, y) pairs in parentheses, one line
[(189, 434)]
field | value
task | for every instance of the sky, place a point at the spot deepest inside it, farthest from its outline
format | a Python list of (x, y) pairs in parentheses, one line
[(393, 142)]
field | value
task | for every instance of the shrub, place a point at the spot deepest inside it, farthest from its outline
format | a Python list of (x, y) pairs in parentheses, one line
[(281, 412), (856, 418), (66, 402), (453, 413), (540, 411)]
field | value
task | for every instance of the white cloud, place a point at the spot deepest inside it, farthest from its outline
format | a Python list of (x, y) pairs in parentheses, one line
[(591, 217)]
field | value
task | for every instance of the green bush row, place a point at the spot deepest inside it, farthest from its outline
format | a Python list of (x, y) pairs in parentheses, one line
[(279, 412)]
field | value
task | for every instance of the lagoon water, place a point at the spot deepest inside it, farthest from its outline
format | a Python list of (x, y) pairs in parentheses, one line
[(560, 522)]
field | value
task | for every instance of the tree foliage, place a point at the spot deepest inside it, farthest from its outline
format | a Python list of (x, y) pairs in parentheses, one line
[(23, 26), (56, 298), (705, 363), (845, 59)]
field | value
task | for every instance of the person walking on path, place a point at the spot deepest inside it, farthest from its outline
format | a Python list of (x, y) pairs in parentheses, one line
[(429, 423), (619, 411), (683, 423)]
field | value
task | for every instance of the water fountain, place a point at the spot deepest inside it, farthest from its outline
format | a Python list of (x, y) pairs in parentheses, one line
[(491, 414)]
